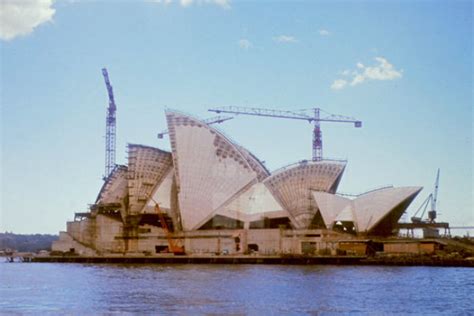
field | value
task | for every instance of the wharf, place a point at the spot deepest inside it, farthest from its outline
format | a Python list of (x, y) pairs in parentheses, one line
[(289, 260)]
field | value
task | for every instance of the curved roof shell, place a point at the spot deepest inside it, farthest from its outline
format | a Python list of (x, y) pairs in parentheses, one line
[(255, 163), (347, 214), (292, 187), (147, 167), (330, 205), (114, 189), (253, 204), (210, 169), (161, 194), (388, 203)]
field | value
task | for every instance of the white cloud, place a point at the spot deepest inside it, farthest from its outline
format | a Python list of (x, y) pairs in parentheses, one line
[(338, 84), (19, 18), (357, 79), (324, 33), (285, 39), (165, 2), (245, 43), (383, 70), (225, 4)]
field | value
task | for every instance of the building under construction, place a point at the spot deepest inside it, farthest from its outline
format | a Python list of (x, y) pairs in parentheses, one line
[(211, 196)]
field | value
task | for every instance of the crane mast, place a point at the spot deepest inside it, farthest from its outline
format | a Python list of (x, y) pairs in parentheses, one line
[(317, 137), (110, 128), (431, 200), (432, 214), (311, 116)]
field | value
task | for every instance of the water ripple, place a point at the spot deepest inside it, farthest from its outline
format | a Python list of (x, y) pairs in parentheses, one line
[(234, 289)]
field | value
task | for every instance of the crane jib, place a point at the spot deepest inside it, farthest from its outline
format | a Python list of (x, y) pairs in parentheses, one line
[(314, 117)]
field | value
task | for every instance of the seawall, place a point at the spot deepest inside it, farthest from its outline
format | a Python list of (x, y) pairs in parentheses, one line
[(292, 260)]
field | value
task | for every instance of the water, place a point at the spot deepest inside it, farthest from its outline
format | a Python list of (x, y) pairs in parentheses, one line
[(90, 289)]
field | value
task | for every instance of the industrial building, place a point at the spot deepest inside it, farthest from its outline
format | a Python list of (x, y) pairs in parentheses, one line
[(216, 198)]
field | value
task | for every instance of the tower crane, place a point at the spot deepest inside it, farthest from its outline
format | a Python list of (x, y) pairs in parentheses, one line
[(311, 115), (431, 200), (110, 127), (212, 120)]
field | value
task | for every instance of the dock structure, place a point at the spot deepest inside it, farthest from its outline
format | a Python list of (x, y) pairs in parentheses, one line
[(279, 260), (429, 229)]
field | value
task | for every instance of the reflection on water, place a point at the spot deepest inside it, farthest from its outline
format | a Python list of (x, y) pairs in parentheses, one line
[(233, 289)]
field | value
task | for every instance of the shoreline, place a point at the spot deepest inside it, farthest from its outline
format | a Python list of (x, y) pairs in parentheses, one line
[(278, 260)]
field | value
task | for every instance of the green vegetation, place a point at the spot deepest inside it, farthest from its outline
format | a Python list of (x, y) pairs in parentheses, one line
[(26, 243)]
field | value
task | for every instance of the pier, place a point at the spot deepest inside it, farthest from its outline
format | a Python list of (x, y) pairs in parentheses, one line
[(290, 260)]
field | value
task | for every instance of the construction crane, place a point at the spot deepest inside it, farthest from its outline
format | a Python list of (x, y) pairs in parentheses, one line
[(311, 115), (110, 128), (431, 200), (209, 121), (173, 247)]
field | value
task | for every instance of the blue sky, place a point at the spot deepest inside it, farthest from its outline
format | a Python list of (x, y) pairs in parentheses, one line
[(406, 71)]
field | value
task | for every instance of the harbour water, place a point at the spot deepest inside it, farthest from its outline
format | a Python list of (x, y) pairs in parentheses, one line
[(90, 289)]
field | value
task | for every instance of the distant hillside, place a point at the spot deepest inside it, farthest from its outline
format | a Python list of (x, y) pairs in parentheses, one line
[(26, 243)]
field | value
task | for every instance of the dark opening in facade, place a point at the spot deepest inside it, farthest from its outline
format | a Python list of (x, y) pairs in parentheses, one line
[(279, 222), (253, 248), (317, 222), (345, 227), (222, 222), (161, 249)]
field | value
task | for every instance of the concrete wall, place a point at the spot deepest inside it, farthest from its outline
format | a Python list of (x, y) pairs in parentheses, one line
[(428, 248), (269, 241), (83, 231), (106, 231), (409, 247), (66, 243), (106, 235), (353, 248)]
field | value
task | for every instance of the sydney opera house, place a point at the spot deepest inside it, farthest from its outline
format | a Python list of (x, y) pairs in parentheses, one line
[(216, 197)]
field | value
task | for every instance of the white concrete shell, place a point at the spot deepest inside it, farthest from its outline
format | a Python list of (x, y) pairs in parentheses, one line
[(257, 199), (292, 187), (147, 167), (373, 207), (255, 163), (347, 214), (253, 204), (115, 188), (161, 194), (210, 169), (330, 205)]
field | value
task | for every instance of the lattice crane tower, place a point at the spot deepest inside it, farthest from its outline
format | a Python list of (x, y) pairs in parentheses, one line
[(110, 128)]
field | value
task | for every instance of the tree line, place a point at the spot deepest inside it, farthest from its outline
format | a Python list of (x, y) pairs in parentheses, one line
[(26, 243)]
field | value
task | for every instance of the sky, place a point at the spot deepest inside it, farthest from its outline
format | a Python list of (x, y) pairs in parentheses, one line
[(404, 68)]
